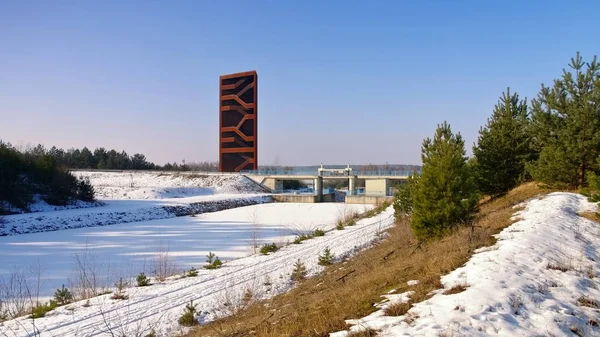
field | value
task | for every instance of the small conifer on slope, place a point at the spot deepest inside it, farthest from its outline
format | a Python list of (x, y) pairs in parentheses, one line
[(445, 195), (566, 126), (503, 147)]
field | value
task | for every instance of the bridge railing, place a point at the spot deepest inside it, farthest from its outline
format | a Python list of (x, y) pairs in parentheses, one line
[(384, 173), (278, 172), (326, 174)]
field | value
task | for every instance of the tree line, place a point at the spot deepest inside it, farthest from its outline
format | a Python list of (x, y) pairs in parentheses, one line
[(29, 176), (103, 159), (38, 173), (555, 140)]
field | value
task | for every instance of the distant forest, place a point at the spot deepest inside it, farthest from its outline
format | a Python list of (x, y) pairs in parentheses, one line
[(103, 159)]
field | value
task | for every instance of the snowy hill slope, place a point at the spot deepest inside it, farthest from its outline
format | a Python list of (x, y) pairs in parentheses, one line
[(126, 197), (539, 279), (161, 185), (124, 211)]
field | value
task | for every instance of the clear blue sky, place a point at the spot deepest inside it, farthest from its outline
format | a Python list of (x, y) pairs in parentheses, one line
[(370, 79)]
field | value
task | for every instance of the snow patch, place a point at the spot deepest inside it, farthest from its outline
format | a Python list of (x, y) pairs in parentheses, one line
[(532, 282)]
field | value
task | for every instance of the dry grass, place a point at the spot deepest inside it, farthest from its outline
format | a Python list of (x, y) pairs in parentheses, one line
[(397, 309), (593, 216), (311, 310), (459, 288), (560, 266), (364, 333), (585, 301)]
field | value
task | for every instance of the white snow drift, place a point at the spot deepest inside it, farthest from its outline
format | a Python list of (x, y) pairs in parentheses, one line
[(532, 282), (163, 185)]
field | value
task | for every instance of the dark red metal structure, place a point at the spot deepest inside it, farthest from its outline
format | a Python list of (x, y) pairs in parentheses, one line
[(238, 103)]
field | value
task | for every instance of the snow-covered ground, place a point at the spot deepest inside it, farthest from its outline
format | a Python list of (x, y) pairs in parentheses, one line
[(125, 250), (161, 185), (533, 282), (39, 205), (123, 211), (143, 185), (157, 308), (126, 197)]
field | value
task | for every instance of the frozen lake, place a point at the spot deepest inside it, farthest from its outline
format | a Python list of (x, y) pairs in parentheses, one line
[(124, 250)]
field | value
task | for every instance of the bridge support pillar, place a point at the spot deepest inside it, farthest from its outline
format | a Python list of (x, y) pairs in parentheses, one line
[(318, 187), (351, 185), (377, 187), (273, 184)]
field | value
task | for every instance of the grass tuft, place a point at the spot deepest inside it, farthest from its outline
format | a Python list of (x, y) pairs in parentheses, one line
[(397, 309), (585, 301), (459, 288), (368, 332)]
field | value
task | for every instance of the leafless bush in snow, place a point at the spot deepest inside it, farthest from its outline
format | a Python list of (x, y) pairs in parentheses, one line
[(236, 298), (85, 280), (36, 271), (16, 294), (515, 302), (162, 263), (255, 231)]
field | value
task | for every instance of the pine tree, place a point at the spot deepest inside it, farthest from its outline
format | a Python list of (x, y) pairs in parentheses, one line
[(566, 126), (446, 194), (403, 198), (327, 257), (63, 295), (503, 147), (85, 189), (299, 272)]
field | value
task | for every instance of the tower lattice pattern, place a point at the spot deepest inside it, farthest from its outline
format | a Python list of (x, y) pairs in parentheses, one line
[(238, 102)]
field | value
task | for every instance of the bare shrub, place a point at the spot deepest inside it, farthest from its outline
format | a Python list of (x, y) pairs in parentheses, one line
[(162, 262), (235, 299), (587, 302), (36, 271), (558, 266), (120, 293), (15, 293), (85, 280), (119, 296), (254, 231), (516, 303), (590, 272), (543, 288)]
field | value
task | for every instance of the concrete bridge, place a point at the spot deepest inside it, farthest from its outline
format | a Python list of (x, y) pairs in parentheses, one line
[(377, 183)]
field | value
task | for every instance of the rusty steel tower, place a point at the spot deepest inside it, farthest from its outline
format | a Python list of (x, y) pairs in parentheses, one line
[(238, 108)]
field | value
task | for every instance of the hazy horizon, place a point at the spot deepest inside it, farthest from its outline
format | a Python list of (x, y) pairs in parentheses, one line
[(355, 84)]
